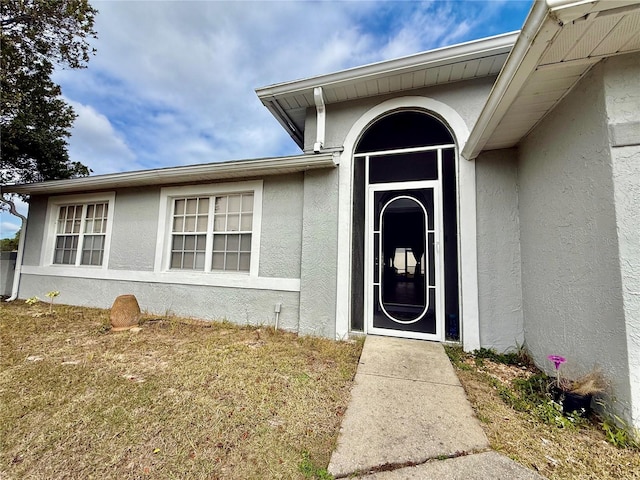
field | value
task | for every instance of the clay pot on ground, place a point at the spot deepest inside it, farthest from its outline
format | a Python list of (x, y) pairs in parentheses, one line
[(125, 313)]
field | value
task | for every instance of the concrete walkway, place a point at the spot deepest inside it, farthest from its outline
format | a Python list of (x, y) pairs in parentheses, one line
[(409, 418)]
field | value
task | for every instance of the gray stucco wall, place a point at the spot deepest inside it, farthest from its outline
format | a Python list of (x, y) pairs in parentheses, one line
[(7, 268), (466, 98), (319, 253), (281, 239), (571, 285), (133, 243), (35, 231), (241, 306), (622, 97), (499, 261), (135, 228)]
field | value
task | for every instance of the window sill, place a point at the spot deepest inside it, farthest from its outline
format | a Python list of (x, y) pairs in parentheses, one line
[(217, 279)]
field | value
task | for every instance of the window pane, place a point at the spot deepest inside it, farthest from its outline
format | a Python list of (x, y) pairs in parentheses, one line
[(221, 205), (190, 242), (190, 224), (232, 261), (245, 242), (219, 223), (178, 224), (178, 242), (202, 223), (218, 261), (90, 213), (218, 243), (88, 226), (200, 261), (247, 221), (203, 206), (187, 262), (245, 262), (247, 202), (192, 204), (201, 244), (234, 203), (233, 223), (179, 208), (233, 242), (176, 260)]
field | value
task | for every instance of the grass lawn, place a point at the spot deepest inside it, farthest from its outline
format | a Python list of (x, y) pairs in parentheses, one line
[(521, 422), (173, 400)]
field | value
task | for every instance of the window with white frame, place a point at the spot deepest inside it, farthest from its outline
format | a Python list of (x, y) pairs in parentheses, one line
[(79, 230), (212, 228)]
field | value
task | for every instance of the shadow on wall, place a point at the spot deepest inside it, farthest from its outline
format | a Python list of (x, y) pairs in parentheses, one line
[(7, 267)]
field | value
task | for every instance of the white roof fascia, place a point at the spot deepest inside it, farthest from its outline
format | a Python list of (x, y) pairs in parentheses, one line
[(544, 22), (177, 175), (522, 61), (432, 58)]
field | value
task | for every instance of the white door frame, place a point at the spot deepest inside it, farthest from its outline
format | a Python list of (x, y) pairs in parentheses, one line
[(466, 183), (438, 253)]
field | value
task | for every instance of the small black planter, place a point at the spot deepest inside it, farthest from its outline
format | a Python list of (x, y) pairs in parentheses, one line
[(571, 401)]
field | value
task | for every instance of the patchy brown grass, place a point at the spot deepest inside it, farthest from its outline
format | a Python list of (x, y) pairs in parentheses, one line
[(174, 400), (557, 453)]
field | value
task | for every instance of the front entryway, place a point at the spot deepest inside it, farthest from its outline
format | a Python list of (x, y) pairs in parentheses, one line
[(405, 241)]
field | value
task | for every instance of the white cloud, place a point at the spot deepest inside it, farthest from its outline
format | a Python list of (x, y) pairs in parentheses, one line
[(96, 143), (173, 82)]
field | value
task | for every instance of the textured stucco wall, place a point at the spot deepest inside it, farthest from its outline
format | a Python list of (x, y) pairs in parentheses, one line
[(134, 230), (467, 98), (7, 268), (319, 253), (281, 239), (622, 96), (571, 283), (242, 306), (35, 230), (499, 262), (133, 243)]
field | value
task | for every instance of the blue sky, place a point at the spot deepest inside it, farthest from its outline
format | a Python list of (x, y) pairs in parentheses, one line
[(173, 82)]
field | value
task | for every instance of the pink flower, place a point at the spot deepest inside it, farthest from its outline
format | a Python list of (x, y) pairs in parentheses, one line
[(557, 360)]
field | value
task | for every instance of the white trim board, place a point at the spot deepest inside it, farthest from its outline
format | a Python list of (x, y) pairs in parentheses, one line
[(174, 277)]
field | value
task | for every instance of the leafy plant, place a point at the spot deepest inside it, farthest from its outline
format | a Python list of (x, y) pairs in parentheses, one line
[(32, 300), (309, 470), (52, 294), (618, 433)]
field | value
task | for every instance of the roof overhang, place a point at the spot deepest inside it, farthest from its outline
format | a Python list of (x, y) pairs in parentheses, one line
[(209, 172), (289, 101), (560, 41)]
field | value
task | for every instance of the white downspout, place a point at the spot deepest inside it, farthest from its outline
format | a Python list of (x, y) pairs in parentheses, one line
[(23, 234), (320, 119)]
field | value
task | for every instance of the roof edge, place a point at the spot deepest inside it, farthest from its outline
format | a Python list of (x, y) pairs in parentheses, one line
[(176, 175), (515, 72), (472, 48)]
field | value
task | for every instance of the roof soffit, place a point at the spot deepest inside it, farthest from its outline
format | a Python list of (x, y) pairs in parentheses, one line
[(562, 41), (478, 59)]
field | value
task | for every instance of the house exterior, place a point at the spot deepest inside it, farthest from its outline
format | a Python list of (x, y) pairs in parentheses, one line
[(485, 193)]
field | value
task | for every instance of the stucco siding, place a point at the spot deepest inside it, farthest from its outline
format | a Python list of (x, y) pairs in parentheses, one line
[(499, 262), (571, 284), (466, 98), (622, 95), (35, 230), (241, 306), (319, 254), (281, 239), (135, 228)]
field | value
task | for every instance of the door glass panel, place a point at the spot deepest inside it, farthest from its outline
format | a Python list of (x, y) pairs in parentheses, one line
[(403, 167)]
